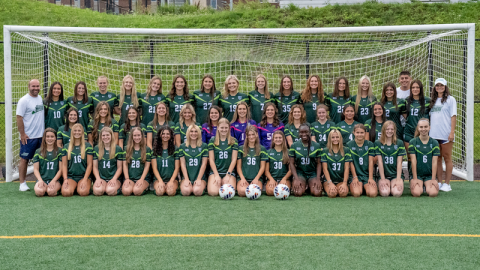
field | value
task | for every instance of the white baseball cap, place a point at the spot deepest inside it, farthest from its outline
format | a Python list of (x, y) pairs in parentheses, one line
[(441, 80)]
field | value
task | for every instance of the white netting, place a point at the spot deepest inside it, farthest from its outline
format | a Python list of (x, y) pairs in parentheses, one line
[(70, 57)]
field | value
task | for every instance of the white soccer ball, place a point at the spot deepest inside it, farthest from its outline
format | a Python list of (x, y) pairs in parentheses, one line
[(227, 192), (253, 192), (281, 192)]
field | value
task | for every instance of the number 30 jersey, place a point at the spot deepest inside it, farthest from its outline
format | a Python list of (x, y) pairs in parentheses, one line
[(278, 169), (305, 158), (108, 167)]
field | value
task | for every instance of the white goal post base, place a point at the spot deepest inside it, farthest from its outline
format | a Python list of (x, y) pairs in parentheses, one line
[(71, 54)]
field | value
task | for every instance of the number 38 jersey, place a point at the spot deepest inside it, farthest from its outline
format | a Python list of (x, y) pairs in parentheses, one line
[(390, 154), (136, 166), (336, 163), (277, 168), (193, 160), (360, 158), (166, 163), (251, 162), (424, 154), (108, 167), (49, 165), (77, 165), (223, 154), (305, 158)]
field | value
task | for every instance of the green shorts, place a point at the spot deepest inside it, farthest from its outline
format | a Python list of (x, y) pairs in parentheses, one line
[(424, 178), (407, 137), (307, 176), (250, 180), (222, 174)]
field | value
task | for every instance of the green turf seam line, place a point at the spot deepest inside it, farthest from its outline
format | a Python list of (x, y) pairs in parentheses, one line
[(239, 235)]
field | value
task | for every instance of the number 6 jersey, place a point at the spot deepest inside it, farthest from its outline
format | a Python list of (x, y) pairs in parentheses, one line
[(424, 154)]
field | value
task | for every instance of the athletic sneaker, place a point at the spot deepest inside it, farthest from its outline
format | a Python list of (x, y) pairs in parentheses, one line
[(446, 188), (151, 187), (440, 186), (24, 187)]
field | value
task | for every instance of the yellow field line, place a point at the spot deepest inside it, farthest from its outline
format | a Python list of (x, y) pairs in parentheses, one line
[(239, 235)]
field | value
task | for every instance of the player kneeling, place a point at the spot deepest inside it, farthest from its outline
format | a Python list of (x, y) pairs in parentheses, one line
[(165, 162), (137, 164), (362, 152), (277, 168), (390, 151), (107, 164), (193, 161), (47, 165), (424, 152), (77, 163), (336, 164)]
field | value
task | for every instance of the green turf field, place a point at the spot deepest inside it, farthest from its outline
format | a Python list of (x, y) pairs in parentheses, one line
[(454, 213)]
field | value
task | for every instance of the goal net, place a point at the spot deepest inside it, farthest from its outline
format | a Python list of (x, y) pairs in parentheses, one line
[(72, 54)]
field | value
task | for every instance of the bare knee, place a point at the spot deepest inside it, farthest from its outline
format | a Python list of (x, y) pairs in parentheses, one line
[(98, 191), (67, 193)]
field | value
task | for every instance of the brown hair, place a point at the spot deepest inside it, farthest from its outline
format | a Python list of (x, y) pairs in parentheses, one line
[(336, 91), (185, 88), (384, 98), (43, 147), (131, 144), (276, 120), (257, 140), (214, 88), (383, 136), (96, 119), (307, 92), (150, 84), (303, 117), (285, 157), (75, 91)]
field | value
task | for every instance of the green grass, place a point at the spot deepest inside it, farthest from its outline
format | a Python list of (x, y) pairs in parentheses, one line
[(450, 213)]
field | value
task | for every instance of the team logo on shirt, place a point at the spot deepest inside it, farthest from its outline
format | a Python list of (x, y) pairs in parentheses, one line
[(159, 98), (256, 95), (366, 148), (382, 147), (395, 146), (109, 96), (61, 103), (239, 98), (272, 154), (187, 150), (418, 146), (431, 145), (236, 125), (96, 95), (343, 126), (328, 125), (334, 97), (311, 148), (200, 149)]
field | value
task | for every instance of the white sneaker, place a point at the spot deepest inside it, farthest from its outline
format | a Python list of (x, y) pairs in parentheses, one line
[(446, 188), (24, 187), (440, 186)]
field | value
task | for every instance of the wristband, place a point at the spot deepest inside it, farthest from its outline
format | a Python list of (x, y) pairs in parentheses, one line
[(329, 181)]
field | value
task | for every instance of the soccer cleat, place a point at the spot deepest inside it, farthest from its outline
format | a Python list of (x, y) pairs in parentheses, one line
[(24, 187)]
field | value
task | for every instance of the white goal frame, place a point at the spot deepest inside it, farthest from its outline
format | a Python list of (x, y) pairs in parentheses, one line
[(470, 27)]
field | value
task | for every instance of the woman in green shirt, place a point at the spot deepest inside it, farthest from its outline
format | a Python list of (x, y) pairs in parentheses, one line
[(204, 98), (277, 169), (64, 132), (82, 102), (187, 118), (165, 163), (133, 120), (150, 99), (55, 107), (178, 97), (161, 118), (137, 164), (47, 165), (296, 118), (364, 100), (127, 98), (101, 119), (312, 96)]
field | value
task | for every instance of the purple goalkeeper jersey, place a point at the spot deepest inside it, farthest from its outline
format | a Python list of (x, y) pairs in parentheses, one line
[(266, 133), (237, 130), (207, 134)]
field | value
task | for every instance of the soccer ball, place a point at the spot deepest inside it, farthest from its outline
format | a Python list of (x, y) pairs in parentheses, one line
[(281, 192), (253, 192), (226, 192)]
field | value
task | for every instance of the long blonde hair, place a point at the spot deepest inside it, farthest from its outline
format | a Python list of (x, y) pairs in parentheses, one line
[(257, 140), (226, 92), (417, 132), (359, 92), (133, 94), (340, 143), (303, 117), (72, 142), (265, 90), (185, 107), (230, 139), (188, 142), (285, 157), (235, 114), (150, 84), (101, 144), (306, 95), (96, 120), (383, 136), (131, 146)]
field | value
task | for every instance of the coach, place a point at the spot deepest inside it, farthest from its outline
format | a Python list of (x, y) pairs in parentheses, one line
[(30, 123)]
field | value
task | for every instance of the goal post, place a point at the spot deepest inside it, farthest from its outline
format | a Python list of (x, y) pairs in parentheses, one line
[(71, 54)]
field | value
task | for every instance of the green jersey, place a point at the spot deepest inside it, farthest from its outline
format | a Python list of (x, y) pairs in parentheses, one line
[(292, 131), (424, 154), (365, 108), (156, 129), (347, 131), (77, 165), (114, 126), (202, 102), (149, 106), (229, 104), (123, 135), (336, 163), (251, 162), (335, 105), (413, 115), (256, 102), (378, 128), (107, 168), (393, 113), (175, 105), (305, 158), (136, 166), (193, 160), (310, 107), (389, 155), (48, 165), (108, 97), (182, 130), (55, 114), (321, 131), (277, 168), (85, 110), (360, 158), (127, 103), (64, 136), (285, 103), (166, 163), (223, 154)]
